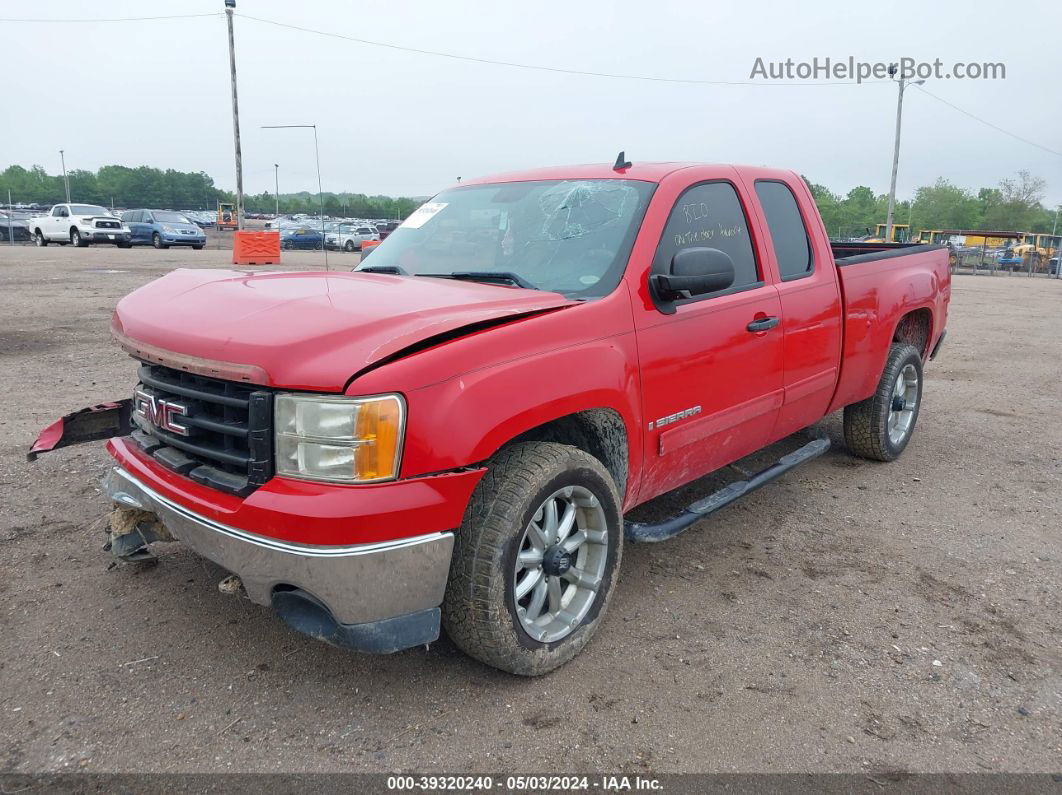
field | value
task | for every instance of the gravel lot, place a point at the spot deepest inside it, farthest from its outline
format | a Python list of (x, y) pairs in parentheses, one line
[(849, 617)]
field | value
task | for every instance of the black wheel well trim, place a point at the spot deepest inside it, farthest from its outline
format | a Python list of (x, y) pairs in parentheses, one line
[(599, 432)]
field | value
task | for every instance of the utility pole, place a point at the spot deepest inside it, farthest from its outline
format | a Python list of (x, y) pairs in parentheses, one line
[(276, 178), (230, 6), (896, 148), (66, 180), (10, 219)]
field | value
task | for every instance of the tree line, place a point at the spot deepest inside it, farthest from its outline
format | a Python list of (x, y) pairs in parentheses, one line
[(124, 187), (1016, 204)]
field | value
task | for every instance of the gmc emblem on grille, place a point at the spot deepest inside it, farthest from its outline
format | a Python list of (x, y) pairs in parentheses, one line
[(159, 412)]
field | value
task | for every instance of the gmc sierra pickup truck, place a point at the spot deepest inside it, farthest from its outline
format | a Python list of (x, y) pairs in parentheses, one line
[(451, 434)]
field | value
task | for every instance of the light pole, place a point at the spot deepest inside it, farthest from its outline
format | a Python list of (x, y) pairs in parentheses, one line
[(66, 180), (896, 149), (276, 183), (230, 6), (317, 157)]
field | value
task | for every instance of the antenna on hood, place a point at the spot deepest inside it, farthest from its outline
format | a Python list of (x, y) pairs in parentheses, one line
[(622, 163)]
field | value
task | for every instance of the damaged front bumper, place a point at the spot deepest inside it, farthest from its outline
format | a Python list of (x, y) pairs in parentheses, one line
[(375, 597)]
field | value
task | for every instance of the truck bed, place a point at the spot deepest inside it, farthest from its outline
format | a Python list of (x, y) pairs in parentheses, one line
[(883, 284), (854, 253)]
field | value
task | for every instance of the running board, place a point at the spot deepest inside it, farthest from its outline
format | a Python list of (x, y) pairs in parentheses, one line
[(642, 533)]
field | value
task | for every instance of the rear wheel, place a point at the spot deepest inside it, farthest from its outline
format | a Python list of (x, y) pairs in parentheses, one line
[(880, 427), (40, 239), (535, 560)]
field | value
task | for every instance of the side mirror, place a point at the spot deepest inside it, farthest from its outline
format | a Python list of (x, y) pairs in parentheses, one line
[(694, 271)]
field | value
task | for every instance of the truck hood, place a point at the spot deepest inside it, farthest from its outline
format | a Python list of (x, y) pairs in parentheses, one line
[(309, 331)]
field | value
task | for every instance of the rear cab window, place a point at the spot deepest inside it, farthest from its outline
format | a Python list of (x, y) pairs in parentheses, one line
[(710, 215), (785, 224)]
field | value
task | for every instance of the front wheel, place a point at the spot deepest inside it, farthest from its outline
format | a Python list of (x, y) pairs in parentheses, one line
[(880, 427), (349, 245), (76, 239), (535, 560), (156, 241)]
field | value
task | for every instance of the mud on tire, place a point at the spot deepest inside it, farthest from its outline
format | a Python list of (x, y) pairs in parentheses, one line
[(480, 612)]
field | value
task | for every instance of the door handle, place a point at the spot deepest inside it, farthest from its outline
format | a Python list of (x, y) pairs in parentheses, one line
[(763, 324)]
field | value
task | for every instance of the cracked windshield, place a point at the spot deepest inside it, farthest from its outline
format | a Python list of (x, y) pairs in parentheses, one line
[(566, 236)]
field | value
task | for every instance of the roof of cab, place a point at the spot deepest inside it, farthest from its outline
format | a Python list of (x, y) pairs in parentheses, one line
[(646, 172)]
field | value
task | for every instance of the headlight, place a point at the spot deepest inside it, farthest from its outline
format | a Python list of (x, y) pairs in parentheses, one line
[(168, 229), (341, 439)]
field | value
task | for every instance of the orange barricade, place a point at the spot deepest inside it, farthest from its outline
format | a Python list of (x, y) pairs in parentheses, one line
[(256, 248), (368, 245)]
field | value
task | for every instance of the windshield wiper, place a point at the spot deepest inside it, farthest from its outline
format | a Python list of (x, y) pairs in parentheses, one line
[(487, 276), (394, 270)]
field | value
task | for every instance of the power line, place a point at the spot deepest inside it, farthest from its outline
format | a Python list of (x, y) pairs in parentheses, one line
[(542, 68), (988, 123), (118, 19)]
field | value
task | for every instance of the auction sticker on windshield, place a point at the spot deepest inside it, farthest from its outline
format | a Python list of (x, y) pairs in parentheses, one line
[(423, 214)]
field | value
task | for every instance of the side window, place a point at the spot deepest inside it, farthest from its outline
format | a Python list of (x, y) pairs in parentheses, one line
[(131, 217), (145, 217), (790, 237), (710, 216)]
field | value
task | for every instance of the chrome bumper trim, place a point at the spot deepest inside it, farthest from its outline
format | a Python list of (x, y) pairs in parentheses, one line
[(358, 583)]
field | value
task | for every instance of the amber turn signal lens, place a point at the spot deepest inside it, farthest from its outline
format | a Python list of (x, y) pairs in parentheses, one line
[(379, 427)]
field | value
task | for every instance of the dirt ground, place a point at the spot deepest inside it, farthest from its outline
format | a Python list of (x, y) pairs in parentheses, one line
[(849, 617)]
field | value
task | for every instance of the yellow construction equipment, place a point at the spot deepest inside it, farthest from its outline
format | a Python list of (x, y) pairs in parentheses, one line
[(901, 233), (227, 216), (1033, 251)]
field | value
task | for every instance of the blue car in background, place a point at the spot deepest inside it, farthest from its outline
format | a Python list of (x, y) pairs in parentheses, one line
[(162, 229), (301, 237)]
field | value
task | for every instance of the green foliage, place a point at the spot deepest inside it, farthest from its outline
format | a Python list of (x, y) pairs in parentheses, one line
[(1016, 205), (121, 186), (945, 206)]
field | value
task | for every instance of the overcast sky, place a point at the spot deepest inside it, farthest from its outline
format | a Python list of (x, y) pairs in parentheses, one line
[(157, 93)]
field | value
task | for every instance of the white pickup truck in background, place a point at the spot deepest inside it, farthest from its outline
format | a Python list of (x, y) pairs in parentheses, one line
[(79, 224)]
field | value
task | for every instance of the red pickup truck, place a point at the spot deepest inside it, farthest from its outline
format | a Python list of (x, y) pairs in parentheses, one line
[(451, 434)]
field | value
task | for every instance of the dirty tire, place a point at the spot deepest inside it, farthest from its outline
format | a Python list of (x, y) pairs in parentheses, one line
[(866, 430), (479, 612)]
